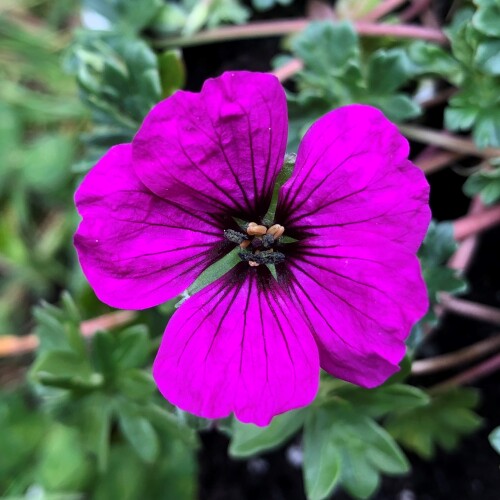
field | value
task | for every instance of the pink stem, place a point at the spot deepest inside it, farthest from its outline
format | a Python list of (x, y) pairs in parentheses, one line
[(14, 345), (470, 309), (447, 141), (457, 358), (491, 365), (288, 70), (414, 10), (461, 258), (436, 161), (476, 223), (286, 27)]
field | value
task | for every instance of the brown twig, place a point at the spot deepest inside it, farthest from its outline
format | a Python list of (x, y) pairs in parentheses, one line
[(491, 365), (457, 358), (470, 309), (266, 29), (382, 9), (447, 141), (13, 345), (475, 223)]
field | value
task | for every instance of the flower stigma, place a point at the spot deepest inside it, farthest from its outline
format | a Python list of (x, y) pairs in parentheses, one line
[(258, 243)]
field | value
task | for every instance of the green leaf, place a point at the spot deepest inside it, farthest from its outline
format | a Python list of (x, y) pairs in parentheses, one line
[(133, 347), (343, 446), (428, 59), (486, 131), (354, 9), (66, 370), (461, 118), (494, 438), (387, 71), (23, 433), (119, 81), (384, 399), (138, 431), (336, 73), (213, 14), (125, 15), (488, 57), (486, 183), (96, 416), (438, 246), (248, 439), (264, 5), (476, 105), (172, 72), (322, 462), (397, 107), (439, 243), (327, 49), (171, 425), (138, 385), (487, 17), (442, 422), (63, 465)]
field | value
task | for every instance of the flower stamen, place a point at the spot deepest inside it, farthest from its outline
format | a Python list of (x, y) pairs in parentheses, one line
[(258, 245)]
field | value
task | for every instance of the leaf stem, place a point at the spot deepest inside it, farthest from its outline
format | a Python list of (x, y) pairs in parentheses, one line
[(453, 359), (14, 345), (282, 27)]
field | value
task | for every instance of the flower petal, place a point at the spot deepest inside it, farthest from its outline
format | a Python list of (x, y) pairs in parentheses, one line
[(237, 346), (361, 295), (136, 249), (218, 150), (352, 170)]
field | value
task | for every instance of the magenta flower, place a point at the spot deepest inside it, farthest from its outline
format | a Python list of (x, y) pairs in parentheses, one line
[(157, 212)]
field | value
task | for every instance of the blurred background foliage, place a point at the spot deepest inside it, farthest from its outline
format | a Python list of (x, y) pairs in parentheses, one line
[(81, 418)]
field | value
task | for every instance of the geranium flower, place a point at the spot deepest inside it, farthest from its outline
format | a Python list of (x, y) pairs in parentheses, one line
[(159, 211)]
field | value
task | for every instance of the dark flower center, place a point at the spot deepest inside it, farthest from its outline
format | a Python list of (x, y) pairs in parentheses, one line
[(258, 244)]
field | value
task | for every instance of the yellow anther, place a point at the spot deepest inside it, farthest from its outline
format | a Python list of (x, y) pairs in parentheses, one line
[(245, 244), (254, 229), (276, 230)]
